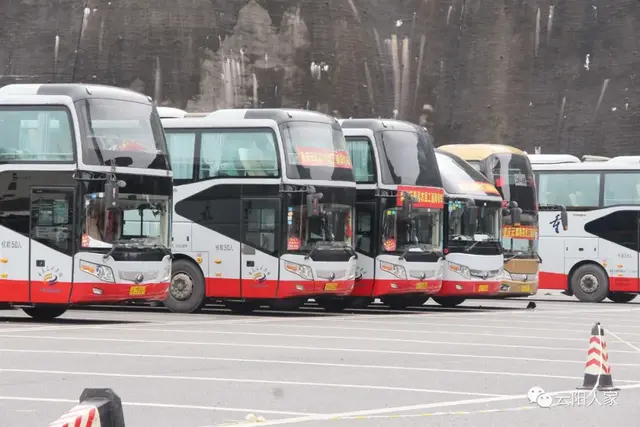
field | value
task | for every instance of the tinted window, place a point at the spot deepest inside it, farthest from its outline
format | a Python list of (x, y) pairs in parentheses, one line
[(619, 227), (316, 151), (121, 133), (408, 158), (52, 219), (458, 177), (513, 177), (260, 224), (35, 134), (181, 151), (238, 153), (361, 153), (621, 189), (571, 189)]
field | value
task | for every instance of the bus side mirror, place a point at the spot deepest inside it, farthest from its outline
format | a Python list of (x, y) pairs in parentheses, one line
[(111, 193), (516, 213), (564, 218), (313, 204)]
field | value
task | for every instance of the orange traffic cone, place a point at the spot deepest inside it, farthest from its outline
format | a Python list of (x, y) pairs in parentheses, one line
[(597, 372)]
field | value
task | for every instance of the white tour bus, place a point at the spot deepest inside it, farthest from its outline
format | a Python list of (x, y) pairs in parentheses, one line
[(264, 204), (597, 257), (474, 256)]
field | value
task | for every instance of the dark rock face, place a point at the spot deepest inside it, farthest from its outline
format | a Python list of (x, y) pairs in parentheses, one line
[(555, 74)]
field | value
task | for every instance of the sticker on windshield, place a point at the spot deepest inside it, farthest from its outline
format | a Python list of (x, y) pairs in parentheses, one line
[(319, 157), (523, 232), (424, 197), (389, 245), (293, 243), (520, 180)]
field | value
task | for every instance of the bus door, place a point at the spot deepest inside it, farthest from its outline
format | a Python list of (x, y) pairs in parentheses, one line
[(259, 262), (51, 244)]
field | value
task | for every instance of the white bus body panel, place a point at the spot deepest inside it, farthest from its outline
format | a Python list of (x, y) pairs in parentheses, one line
[(484, 275)]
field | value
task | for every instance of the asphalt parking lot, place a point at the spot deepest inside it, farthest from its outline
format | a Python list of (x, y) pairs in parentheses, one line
[(470, 366)]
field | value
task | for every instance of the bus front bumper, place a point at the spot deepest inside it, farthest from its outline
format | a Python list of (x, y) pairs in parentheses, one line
[(518, 288), (101, 292)]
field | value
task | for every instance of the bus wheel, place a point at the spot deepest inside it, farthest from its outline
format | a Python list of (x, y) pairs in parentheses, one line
[(45, 312), (187, 290), (360, 302), (396, 302), (621, 297), (449, 301), (241, 307), (287, 303), (334, 305), (589, 283)]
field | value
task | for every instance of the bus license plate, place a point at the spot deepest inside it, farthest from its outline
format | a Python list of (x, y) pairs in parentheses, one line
[(331, 286), (137, 290), (422, 285), (483, 288), (525, 288)]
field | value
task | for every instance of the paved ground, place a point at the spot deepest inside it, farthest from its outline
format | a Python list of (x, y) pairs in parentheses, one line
[(470, 366)]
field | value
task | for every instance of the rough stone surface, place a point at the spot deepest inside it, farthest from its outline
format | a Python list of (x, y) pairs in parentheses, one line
[(555, 74)]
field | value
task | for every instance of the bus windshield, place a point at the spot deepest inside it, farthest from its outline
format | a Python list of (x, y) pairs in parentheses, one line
[(316, 151), (399, 233), (513, 177), (139, 220), (408, 158), (121, 133), (331, 227), (488, 222)]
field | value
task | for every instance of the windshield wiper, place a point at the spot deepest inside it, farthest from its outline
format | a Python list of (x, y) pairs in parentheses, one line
[(479, 241), (421, 246)]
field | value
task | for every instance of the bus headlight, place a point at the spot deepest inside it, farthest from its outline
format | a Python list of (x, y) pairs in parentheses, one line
[(301, 270), (396, 270), (462, 270), (506, 275), (100, 271)]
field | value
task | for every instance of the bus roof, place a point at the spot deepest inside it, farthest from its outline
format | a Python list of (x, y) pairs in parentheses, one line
[(76, 91), (588, 166), (279, 115), (209, 123), (377, 125), (540, 159), (473, 152)]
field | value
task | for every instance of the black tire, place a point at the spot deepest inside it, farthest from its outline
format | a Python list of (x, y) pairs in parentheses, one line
[(360, 302), (621, 297), (287, 303), (334, 305), (396, 302), (418, 300), (180, 298), (45, 312), (241, 307), (589, 283), (449, 301)]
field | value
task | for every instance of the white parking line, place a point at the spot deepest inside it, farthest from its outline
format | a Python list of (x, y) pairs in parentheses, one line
[(379, 411), (210, 343), (243, 380), (300, 363), (159, 405), (342, 337)]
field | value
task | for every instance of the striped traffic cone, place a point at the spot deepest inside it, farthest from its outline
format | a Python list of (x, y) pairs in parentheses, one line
[(597, 372)]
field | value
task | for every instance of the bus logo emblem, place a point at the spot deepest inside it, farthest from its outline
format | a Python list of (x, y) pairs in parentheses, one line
[(139, 278), (332, 275)]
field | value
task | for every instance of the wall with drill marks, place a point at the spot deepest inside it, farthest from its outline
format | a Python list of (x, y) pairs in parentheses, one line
[(556, 74)]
